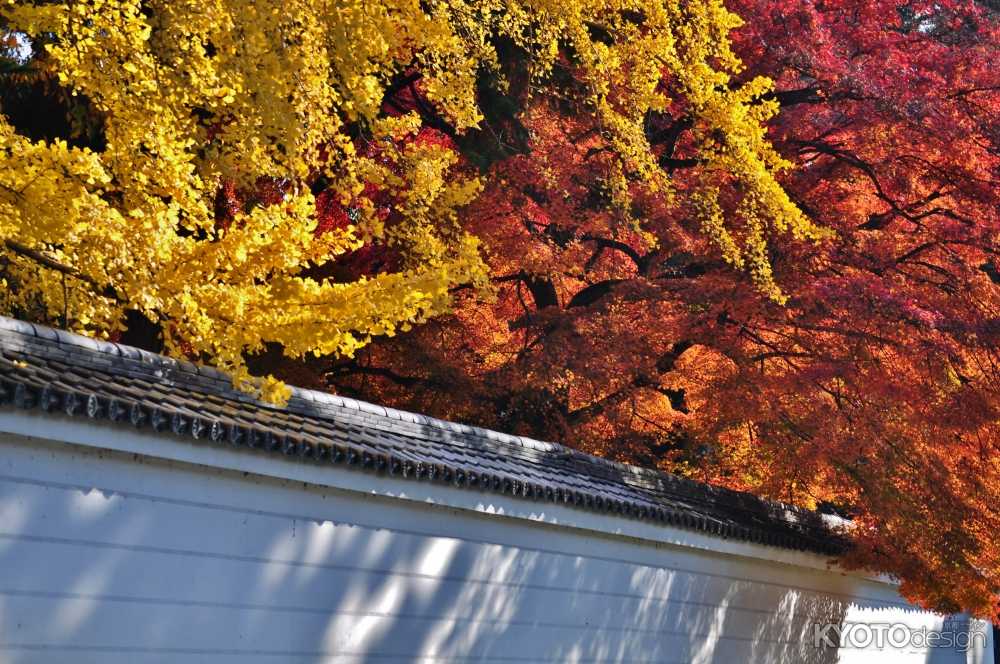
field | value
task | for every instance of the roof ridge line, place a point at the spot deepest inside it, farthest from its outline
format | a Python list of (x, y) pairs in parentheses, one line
[(63, 337)]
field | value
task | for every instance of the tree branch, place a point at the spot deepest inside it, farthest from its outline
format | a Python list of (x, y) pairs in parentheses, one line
[(351, 369), (618, 246), (107, 291), (664, 364), (785, 98)]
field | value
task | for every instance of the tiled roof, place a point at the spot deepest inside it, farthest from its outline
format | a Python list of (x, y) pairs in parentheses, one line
[(52, 370)]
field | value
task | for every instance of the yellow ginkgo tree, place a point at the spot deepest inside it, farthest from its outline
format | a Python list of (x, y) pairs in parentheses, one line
[(194, 96)]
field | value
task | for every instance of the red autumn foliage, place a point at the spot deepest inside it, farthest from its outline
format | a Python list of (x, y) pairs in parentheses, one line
[(874, 392)]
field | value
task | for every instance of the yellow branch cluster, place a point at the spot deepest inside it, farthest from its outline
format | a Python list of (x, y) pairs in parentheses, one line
[(288, 82)]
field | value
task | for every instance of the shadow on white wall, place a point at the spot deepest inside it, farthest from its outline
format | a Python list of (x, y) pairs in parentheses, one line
[(106, 558)]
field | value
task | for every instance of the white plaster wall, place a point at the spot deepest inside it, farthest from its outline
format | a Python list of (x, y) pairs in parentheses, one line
[(109, 556)]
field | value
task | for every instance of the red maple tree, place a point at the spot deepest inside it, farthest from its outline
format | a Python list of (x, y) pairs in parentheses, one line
[(872, 392)]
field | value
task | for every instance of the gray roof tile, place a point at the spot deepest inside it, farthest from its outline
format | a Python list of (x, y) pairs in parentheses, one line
[(45, 368)]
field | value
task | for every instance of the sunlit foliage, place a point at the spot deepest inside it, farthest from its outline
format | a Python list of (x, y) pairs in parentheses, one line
[(872, 391), (201, 136)]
